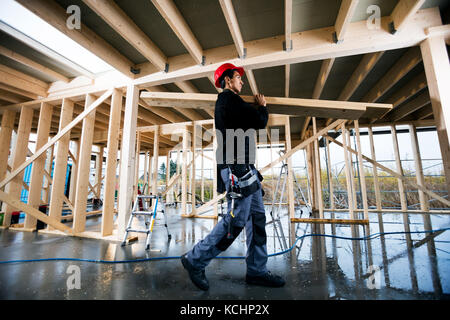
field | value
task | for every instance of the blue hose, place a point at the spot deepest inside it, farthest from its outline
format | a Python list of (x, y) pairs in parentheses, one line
[(369, 237)]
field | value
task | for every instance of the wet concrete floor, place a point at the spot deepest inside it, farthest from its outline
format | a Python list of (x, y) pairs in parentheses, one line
[(399, 266)]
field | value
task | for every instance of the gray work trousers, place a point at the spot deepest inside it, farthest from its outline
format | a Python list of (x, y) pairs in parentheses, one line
[(249, 213)]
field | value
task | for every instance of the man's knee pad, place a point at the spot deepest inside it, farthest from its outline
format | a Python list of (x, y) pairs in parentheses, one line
[(259, 229), (225, 242)]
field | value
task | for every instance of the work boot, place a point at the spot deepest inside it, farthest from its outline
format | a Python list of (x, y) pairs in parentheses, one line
[(267, 280), (197, 275)]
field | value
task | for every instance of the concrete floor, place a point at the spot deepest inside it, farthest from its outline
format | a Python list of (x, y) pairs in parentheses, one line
[(409, 267)]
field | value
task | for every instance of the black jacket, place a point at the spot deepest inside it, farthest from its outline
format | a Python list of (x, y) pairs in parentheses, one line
[(232, 112)]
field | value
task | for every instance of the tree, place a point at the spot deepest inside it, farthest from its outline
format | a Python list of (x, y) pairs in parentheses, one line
[(162, 170)]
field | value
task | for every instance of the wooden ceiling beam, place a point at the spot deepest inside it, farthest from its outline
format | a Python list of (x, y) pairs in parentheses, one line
[(344, 18), (114, 16), (409, 107), (56, 16), (32, 64), (404, 11), (19, 80)]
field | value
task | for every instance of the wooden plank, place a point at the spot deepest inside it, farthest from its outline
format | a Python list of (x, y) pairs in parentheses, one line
[(401, 187), (347, 173), (21, 83), (362, 173), (32, 64), (155, 161), (290, 170), (60, 134), (344, 17), (127, 158), (184, 173), (79, 217), (19, 155), (233, 26), (34, 212), (111, 164), (404, 11), (287, 27), (409, 107), (252, 82), (332, 221), (73, 175), (196, 128), (37, 170), (98, 172), (7, 126), (437, 70), (419, 170), (318, 176), (177, 23), (330, 175), (375, 171)]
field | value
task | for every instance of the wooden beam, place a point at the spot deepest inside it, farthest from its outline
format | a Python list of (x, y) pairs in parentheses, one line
[(411, 106), (437, 70), (287, 77), (318, 176), (19, 155), (405, 64), (288, 26), (419, 169), (233, 26), (344, 18), (60, 134), (7, 126), (252, 82), (37, 170), (404, 11), (155, 161), (423, 113), (127, 158), (362, 173), (309, 45), (56, 16), (290, 170), (275, 105), (60, 169), (44, 50), (22, 81), (32, 64), (177, 23), (332, 221), (348, 176), (417, 84), (374, 169)]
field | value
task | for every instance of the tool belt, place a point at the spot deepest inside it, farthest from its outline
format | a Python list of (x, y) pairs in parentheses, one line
[(244, 180)]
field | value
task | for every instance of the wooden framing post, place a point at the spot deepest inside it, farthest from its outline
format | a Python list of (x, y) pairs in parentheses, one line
[(401, 186), (60, 169), (111, 164), (318, 173), (19, 155), (73, 177), (352, 172), (374, 170), (195, 129), (290, 171), (362, 173), (37, 170), (419, 170), (330, 175), (202, 192), (48, 168), (214, 186), (84, 164), (7, 126), (155, 161), (437, 71), (184, 172), (99, 170), (127, 160), (167, 174), (347, 173), (136, 166), (145, 168), (312, 176)]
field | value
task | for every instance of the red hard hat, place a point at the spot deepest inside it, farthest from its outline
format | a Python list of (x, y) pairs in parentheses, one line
[(220, 70)]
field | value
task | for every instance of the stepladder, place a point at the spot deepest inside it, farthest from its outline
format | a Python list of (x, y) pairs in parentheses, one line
[(143, 207)]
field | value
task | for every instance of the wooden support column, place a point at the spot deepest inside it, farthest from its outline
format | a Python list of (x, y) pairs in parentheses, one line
[(437, 71), (155, 161), (312, 176), (111, 164), (374, 170), (87, 133), (136, 166), (195, 129), (167, 174), (401, 186), (419, 170), (347, 173), (7, 126), (99, 171), (330, 175), (318, 174), (145, 169), (60, 169), (361, 172), (127, 160), (214, 186), (14, 188), (37, 170), (184, 172), (48, 168), (352, 172), (202, 192), (73, 176)]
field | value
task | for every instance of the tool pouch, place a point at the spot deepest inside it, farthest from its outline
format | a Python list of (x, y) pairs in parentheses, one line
[(246, 180)]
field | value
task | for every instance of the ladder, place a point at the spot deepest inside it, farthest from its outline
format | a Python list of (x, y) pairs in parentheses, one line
[(275, 214), (142, 207)]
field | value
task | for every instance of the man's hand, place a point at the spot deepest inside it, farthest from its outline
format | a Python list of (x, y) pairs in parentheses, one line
[(260, 100)]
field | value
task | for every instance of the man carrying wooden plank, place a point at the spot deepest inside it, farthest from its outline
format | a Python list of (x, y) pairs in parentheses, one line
[(236, 122)]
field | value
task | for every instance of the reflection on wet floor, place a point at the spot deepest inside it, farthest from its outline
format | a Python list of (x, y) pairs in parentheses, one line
[(399, 266)]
